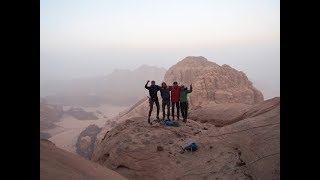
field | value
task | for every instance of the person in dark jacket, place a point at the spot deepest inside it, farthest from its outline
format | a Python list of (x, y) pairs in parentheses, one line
[(175, 97), (184, 101), (153, 90), (165, 94)]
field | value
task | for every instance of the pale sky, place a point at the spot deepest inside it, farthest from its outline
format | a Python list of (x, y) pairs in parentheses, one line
[(80, 38)]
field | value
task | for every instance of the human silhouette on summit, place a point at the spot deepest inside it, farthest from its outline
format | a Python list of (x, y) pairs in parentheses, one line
[(153, 90)]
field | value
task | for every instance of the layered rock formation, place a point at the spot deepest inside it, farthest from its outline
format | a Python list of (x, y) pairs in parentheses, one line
[(228, 113), (86, 141), (219, 114), (246, 149), (213, 83), (257, 138)]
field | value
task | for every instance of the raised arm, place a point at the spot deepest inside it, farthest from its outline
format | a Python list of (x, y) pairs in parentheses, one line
[(146, 86)]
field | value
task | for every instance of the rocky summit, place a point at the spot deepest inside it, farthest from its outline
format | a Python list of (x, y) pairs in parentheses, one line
[(246, 149)]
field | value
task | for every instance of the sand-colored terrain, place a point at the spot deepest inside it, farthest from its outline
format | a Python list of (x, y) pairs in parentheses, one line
[(57, 163), (68, 128), (246, 149)]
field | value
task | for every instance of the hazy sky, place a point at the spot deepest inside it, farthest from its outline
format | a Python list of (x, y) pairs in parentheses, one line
[(82, 38)]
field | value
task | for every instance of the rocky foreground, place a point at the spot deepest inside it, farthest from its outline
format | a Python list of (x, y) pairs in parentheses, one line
[(246, 149), (56, 163)]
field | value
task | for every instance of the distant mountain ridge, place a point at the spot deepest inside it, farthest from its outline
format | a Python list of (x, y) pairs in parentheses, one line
[(121, 87)]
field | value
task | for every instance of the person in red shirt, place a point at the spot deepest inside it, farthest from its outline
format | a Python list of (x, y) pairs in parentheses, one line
[(175, 98)]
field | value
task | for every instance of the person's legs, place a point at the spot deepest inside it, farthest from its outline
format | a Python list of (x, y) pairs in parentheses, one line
[(186, 110), (158, 108), (172, 110), (168, 111), (182, 109), (163, 108), (151, 108), (178, 109)]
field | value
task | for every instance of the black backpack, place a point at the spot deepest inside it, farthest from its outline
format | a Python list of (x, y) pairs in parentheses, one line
[(190, 147)]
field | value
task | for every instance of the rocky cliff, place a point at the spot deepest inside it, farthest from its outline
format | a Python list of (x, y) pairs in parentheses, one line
[(213, 83)]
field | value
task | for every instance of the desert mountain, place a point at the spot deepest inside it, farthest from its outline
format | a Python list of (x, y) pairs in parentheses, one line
[(121, 87), (213, 83), (246, 149), (237, 132), (209, 82), (56, 163)]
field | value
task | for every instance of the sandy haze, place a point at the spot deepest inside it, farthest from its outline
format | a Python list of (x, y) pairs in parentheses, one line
[(68, 128)]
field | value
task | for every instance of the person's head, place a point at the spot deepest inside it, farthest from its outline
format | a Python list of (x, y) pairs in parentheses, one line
[(164, 85), (175, 84), (182, 86), (153, 82)]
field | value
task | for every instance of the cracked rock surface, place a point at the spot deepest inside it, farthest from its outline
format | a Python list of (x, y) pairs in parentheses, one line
[(248, 148)]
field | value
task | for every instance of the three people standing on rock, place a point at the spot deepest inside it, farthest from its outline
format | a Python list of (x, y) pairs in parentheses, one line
[(179, 99)]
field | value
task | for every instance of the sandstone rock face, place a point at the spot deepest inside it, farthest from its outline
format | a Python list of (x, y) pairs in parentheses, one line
[(262, 107), (228, 113), (257, 137), (246, 149), (56, 163), (219, 114), (213, 83), (139, 109), (86, 141)]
